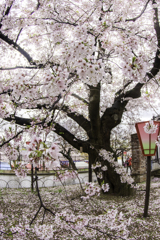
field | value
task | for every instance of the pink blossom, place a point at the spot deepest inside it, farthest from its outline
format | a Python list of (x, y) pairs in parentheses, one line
[(105, 187), (150, 127)]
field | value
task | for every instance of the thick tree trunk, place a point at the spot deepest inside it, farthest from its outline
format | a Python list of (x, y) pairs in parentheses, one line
[(110, 176), (99, 138)]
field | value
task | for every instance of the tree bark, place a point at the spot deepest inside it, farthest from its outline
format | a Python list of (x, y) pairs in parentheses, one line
[(99, 138)]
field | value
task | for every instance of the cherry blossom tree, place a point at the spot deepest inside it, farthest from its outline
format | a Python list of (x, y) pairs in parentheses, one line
[(79, 68)]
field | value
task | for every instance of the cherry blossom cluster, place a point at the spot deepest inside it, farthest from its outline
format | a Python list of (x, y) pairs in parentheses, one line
[(21, 170), (97, 165), (104, 168), (150, 127), (36, 149), (67, 174), (158, 141), (12, 152), (135, 68), (100, 175), (91, 190), (105, 187), (124, 177), (11, 149), (71, 221), (4, 108)]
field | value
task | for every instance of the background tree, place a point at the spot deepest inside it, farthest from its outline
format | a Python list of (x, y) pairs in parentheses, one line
[(78, 67), (121, 143)]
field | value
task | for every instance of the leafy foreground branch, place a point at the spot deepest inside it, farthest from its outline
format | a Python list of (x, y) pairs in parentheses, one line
[(104, 217), (73, 223)]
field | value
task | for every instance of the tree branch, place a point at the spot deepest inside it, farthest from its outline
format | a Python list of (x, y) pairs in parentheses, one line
[(55, 102), (7, 141), (122, 89), (21, 67), (113, 115), (18, 34), (61, 21), (8, 9), (6, 12), (19, 120), (61, 131), (80, 98), (134, 92), (40, 199), (143, 10), (19, 49), (6, 92), (78, 118), (70, 138), (67, 154)]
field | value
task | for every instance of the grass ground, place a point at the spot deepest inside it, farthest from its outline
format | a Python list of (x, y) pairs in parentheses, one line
[(103, 217)]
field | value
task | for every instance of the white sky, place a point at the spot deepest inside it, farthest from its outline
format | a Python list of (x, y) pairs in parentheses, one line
[(148, 115)]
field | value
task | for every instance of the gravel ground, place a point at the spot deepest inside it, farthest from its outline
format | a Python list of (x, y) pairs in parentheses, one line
[(66, 215)]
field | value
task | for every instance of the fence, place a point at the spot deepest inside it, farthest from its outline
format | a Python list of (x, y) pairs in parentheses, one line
[(7, 181)]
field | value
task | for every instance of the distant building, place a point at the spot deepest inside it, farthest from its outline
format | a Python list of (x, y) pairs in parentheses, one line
[(157, 156), (5, 166)]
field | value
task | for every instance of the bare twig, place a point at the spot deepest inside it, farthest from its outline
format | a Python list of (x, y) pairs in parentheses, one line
[(40, 199), (80, 98), (18, 35), (143, 10), (7, 141)]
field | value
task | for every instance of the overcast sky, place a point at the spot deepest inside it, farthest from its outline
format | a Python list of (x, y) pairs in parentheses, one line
[(148, 115)]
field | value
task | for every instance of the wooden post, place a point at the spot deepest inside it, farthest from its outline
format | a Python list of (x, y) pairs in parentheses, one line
[(32, 179), (90, 168), (90, 171), (148, 179), (122, 158)]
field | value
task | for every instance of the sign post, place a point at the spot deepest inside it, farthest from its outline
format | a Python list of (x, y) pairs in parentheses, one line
[(147, 140)]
